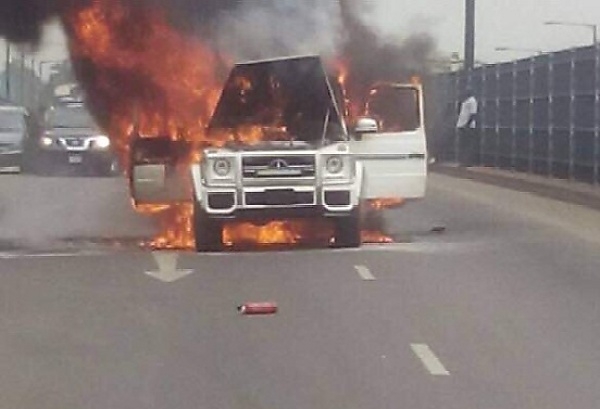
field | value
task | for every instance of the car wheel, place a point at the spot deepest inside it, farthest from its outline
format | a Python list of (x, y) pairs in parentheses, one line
[(208, 232), (347, 230)]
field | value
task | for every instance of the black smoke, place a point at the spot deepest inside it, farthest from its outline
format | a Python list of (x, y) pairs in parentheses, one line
[(259, 29), (253, 29), (22, 20), (372, 57)]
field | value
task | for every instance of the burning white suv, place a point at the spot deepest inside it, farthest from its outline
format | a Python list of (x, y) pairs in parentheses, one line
[(290, 155)]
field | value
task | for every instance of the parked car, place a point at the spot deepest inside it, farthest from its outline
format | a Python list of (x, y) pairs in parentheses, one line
[(72, 140), (15, 131)]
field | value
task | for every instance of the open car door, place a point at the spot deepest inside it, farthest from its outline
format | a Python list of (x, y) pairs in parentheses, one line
[(159, 171), (391, 143)]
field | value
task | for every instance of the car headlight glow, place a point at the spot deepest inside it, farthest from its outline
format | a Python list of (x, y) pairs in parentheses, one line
[(102, 142), (222, 167), (46, 141), (334, 165)]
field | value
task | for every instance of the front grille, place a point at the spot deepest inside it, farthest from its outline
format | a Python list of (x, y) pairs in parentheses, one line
[(74, 142), (279, 197), (282, 166)]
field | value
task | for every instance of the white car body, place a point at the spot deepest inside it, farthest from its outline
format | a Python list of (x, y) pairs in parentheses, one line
[(295, 178)]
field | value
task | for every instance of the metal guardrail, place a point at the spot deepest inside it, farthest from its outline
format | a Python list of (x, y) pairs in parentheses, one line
[(539, 115)]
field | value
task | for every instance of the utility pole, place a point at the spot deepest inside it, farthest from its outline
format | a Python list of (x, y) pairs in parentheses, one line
[(22, 80), (469, 34), (7, 70)]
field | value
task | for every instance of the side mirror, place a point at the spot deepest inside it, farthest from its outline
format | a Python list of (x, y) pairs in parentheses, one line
[(365, 126)]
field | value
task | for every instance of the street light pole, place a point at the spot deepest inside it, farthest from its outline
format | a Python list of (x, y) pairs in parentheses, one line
[(7, 70), (593, 27)]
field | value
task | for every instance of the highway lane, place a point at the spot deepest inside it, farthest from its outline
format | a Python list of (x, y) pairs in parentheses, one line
[(48, 212), (500, 311)]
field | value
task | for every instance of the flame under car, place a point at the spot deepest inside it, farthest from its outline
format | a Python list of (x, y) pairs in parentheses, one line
[(285, 154)]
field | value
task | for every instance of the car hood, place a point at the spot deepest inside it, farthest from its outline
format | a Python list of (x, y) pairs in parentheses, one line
[(73, 132), (274, 145), (289, 93)]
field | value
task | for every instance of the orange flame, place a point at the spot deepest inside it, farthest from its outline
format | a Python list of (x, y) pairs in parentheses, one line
[(141, 73), (142, 76), (386, 203), (352, 107), (375, 237), (290, 232), (176, 227)]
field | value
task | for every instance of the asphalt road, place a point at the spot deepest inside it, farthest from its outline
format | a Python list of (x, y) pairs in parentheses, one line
[(499, 311)]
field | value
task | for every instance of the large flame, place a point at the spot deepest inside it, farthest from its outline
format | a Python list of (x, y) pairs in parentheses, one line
[(176, 228), (142, 74), (144, 78), (352, 106)]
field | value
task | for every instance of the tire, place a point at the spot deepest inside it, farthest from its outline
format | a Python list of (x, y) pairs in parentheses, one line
[(208, 232), (347, 230)]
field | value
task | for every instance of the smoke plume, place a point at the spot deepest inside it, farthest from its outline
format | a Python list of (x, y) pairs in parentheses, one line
[(21, 20), (239, 30), (275, 28), (371, 58)]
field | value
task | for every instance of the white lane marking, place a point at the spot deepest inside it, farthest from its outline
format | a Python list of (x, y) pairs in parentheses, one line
[(429, 360), (16, 256), (167, 267), (365, 273)]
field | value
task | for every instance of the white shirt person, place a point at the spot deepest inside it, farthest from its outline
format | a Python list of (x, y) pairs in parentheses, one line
[(468, 113)]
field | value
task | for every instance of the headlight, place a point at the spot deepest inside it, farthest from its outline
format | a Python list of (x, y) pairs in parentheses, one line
[(337, 168), (222, 167), (334, 165), (46, 141), (102, 142)]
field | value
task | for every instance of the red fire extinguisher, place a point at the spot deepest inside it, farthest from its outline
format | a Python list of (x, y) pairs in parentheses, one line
[(258, 308)]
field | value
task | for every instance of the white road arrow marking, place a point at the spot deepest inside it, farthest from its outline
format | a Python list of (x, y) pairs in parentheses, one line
[(365, 273), (167, 267), (431, 362)]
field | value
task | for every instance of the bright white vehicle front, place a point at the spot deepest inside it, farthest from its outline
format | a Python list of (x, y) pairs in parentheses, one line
[(286, 178)]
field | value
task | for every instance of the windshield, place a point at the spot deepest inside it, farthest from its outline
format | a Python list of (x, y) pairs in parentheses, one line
[(396, 109), (70, 117), (11, 121)]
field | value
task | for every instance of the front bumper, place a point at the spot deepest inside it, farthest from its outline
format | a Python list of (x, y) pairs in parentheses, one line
[(279, 202), (11, 160), (90, 159)]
